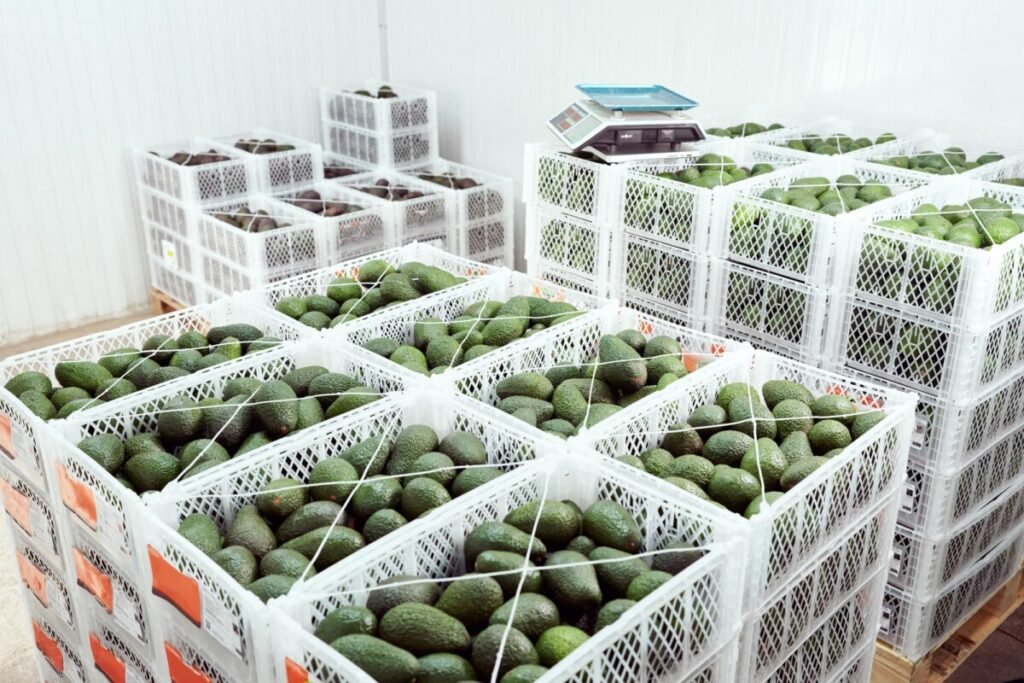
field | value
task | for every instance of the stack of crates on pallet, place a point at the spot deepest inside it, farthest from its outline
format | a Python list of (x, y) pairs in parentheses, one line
[(774, 261), (660, 263), (686, 630), (181, 184), (819, 553), (943, 317)]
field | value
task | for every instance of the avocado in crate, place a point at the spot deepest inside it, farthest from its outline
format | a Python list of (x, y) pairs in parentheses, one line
[(247, 219), (193, 436), (742, 130), (833, 143), (950, 161), (563, 399), (747, 448), (182, 158), (583, 574), (295, 528), (483, 327), (82, 384), (378, 286), (712, 170)]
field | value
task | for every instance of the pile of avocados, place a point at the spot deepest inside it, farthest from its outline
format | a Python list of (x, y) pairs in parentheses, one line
[(980, 222), (265, 146), (195, 158), (86, 384), (421, 629), (384, 92), (712, 170), (950, 161), (448, 180), (334, 170), (194, 436), (742, 130), (483, 327), (750, 447), (310, 200), (248, 219), (836, 143), (346, 502), (379, 285), (566, 398), (385, 189)]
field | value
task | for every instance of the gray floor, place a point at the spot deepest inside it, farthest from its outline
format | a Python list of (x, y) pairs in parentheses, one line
[(999, 659), (17, 658)]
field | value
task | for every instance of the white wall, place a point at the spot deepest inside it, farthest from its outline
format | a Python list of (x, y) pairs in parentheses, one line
[(82, 82)]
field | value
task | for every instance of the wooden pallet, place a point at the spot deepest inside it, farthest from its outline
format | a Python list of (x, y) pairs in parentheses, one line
[(161, 302), (943, 660)]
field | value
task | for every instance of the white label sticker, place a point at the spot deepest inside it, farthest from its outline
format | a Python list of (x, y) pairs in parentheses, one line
[(909, 497), (896, 563), (170, 253), (22, 445), (124, 611), (56, 600), (110, 524), (222, 625), (920, 427), (883, 622)]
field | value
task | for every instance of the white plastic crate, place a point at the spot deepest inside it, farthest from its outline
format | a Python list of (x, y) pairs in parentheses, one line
[(22, 446), (175, 255), (168, 214), (570, 251), (784, 623), (316, 282), (950, 283), (430, 218), (911, 349), (838, 494), (787, 240), (108, 512), (482, 215), (256, 259), (998, 171), (681, 626), (448, 304), (575, 342), (31, 515), (554, 178), (46, 587), (928, 142), (410, 107), (679, 213), (398, 149), (184, 659), (841, 648), (197, 185), (933, 503), (59, 652), (220, 495), (183, 288), (771, 312), (278, 170), (921, 565), (368, 228), (661, 278), (101, 582), (116, 655), (823, 128), (913, 627)]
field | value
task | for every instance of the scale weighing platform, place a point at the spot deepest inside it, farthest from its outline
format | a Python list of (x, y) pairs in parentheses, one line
[(628, 123)]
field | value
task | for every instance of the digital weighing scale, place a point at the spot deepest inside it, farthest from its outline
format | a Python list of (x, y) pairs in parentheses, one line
[(628, 123)]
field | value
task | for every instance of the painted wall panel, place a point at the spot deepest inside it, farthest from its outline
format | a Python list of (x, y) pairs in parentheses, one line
[(81, 83)]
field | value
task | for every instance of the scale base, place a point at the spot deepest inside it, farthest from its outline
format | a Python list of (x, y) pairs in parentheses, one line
[(623, 155)]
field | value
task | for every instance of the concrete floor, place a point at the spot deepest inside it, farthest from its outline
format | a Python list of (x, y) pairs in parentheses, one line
[(999, 660)]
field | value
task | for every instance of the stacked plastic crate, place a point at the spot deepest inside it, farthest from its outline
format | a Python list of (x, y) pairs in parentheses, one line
[(391, 132), (944, 318), (188, 192), (772, 275)]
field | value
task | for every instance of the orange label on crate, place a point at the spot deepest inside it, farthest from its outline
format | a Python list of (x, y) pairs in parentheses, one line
[(33, 577), (174, 587), (93, 580), (872, 402), (6, 439), (294, 672), (18, 506), (646, 327), (717, 350), (691, 361), (77, 496), (49, 647), (180, 671), (106, 661)]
